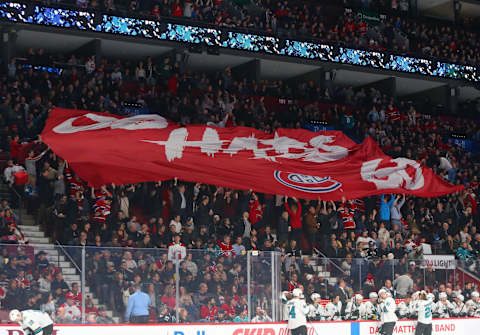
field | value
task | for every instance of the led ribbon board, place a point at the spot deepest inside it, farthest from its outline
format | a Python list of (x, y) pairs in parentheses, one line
[(224, 38)]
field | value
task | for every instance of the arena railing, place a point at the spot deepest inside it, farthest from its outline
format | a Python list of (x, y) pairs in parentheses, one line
[(365, 275), (180, 284), (215, 37), (106, 277)]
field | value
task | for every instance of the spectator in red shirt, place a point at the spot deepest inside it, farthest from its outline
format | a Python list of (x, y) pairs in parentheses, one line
[(156, 11), (362, 27), (281, 12), (177, 10), (209, 311), (226, 246), (15, 147), (255, 210), (349, 26), (173, 84), (230, 309), (295, 213)]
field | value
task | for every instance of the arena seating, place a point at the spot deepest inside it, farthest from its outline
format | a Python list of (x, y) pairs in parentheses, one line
[(129, 231)]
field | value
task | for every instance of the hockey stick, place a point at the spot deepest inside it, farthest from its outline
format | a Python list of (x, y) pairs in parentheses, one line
[(313, 326)]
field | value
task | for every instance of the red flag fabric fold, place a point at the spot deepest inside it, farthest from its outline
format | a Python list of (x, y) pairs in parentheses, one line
[(104, 149)]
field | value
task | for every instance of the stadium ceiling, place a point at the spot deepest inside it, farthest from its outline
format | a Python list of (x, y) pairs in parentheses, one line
[(270, 67)]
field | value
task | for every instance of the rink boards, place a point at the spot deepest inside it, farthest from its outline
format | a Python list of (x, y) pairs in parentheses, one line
[(440, 326)]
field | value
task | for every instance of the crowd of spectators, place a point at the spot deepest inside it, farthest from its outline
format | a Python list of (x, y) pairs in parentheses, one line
[(222, 224), (327, 21)]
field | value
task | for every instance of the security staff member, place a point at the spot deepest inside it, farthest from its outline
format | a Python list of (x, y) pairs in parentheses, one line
[(137, 307)]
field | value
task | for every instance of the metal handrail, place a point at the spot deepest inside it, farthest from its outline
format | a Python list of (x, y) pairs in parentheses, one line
[(70, 258), (330, 261), (20, 204)]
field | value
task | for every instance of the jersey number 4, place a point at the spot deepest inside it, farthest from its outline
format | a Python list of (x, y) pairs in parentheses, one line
[(291, 313)]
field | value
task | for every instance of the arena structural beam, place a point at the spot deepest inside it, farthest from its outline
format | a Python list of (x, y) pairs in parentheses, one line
[(387, 86), (7, 45), (250, 70), (445, 97), (453, 98), (92, 48), (317, 76)]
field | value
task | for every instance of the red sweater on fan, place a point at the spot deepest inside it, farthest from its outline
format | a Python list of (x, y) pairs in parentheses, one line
[(295, 217)]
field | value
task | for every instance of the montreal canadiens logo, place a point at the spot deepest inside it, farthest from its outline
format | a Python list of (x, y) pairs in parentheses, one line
[(305, 183)]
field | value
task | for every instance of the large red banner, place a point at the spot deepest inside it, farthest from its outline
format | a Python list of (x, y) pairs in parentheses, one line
[(104, 149)]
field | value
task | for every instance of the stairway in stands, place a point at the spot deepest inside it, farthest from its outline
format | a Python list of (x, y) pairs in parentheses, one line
[(37, 239), (321, 269)]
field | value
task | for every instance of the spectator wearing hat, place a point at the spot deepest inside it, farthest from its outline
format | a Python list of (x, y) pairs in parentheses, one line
[(41, 261), (72, 312), (103, 317), (188, 236), (137, 306)]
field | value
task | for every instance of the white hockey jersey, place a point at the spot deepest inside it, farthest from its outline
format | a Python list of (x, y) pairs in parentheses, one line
[(473, 308), (33, 321), (404, 310), (425, 309), (352, 311), (387, 310), (443, 309), (71, 312), (333, 311), (297, 313), (459, 310), (368, 311), (316, 312)]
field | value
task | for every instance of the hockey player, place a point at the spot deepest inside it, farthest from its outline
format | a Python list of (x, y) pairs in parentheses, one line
[(473, 305), (387, 312), (413, 305), (297, 314), (333, 309), (431, 297), (352, 311), (459, 308), (368, 310), (285, 297), (424, 309), (33, 322), (316, 310), (443, 308), (404, 309)]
